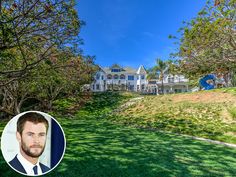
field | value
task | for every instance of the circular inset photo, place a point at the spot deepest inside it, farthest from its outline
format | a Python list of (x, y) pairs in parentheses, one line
[(33, 143)]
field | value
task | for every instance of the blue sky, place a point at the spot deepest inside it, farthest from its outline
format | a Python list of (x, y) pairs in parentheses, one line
[(133, 32)]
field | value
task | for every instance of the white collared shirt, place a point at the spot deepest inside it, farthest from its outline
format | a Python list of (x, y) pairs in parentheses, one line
[(28, 166)]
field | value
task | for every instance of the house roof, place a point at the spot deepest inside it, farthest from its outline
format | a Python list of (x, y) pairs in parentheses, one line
[(141, 70), (116, 66), (101, 69), (124, 70)]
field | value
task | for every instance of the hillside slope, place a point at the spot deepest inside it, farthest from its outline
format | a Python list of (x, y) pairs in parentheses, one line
[(208, 114)]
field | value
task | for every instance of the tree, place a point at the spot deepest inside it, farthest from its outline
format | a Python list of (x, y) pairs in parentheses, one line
[(35, 36), (63, 73), (63, 76), (13, 96), (158, 72), (32, 28), (208, 42), (151, 74)]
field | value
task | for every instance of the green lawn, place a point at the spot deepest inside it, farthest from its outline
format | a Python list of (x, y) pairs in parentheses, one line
[(97, 148)]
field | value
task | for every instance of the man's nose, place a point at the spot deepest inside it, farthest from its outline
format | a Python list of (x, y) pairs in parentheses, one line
[(36, 139)]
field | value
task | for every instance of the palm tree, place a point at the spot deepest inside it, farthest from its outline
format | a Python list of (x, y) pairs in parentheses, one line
[(159, 69), (151, 74)]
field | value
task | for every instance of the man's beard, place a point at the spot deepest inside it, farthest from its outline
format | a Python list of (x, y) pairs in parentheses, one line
[(27, 149)]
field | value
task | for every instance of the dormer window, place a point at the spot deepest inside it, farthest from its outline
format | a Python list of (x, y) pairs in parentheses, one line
[(115, 70)]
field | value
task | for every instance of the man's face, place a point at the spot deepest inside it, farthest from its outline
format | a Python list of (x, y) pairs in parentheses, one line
[(33, 138)]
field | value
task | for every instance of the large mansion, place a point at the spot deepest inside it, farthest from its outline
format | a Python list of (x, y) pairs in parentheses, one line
[(130, 79)]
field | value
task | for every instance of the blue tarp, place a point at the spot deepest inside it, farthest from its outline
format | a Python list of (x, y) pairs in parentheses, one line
[(204, 84)]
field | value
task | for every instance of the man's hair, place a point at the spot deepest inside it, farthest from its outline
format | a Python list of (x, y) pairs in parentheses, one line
[(31, 117)]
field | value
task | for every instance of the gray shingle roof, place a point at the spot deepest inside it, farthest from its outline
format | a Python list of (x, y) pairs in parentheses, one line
[(126, 70)]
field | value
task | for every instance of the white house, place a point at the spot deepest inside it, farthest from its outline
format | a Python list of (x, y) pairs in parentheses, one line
[(171, 84), (120, 78), (129, 79)]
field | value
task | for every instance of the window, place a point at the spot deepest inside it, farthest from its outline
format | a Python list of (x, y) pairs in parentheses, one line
[(97, 76), (115, 70), (130, 77), (131, 87), (178, 90), (142, 77), (170, 79), (123, 86), (109, 76), (143, 86), (102, 77), (122, 76), (116, 76), (97, 87)]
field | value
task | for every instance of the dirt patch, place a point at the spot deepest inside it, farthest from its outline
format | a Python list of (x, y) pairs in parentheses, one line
[(206, 97), (226, 118)]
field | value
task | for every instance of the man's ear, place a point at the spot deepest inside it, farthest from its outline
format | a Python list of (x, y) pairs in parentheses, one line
[(18, 137)]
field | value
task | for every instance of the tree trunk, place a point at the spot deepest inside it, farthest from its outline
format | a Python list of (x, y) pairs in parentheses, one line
[(162, 86), (17, 108)]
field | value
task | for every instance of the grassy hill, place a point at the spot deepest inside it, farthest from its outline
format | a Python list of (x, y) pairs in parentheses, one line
[(208, 114), (102, 143)]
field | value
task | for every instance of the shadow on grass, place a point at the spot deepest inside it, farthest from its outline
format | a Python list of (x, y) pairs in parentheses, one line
[(100, 149)]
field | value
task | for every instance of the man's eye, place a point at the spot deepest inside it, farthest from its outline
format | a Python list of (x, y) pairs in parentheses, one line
[(30, 134), (42, 134)]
